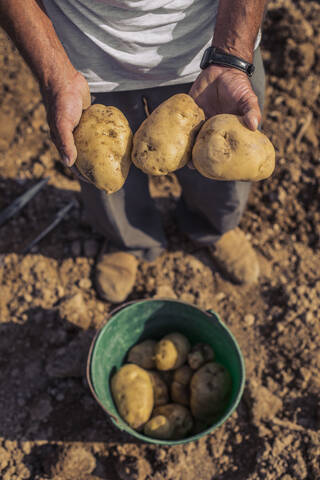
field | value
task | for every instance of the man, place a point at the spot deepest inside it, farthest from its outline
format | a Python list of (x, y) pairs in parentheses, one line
[(121, 51)]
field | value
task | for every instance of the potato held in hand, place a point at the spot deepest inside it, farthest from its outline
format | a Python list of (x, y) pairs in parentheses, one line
[(225, 149), (103, 140), (133, 394), (163, 143)]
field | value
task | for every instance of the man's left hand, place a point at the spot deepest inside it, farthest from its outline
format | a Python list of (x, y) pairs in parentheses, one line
[(226, 90)]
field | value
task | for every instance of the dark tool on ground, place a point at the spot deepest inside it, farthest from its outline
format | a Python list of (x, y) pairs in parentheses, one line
[(21, 201)]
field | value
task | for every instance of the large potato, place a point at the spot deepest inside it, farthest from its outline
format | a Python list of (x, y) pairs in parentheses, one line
[(225, 149), (143, 353), (172, 351), (103, 140), (180, 419), (163, 142), (133, 394), (210, 387)]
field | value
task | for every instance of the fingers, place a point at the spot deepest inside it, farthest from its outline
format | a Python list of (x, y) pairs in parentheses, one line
[(251, 112), (64, 141), (78, 175), (87, 100)]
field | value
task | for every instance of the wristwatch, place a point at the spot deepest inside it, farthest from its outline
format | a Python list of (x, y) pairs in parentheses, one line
[(216, 56)]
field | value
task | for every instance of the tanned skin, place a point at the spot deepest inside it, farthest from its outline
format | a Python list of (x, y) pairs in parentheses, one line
[(66, 92), (227, 90)]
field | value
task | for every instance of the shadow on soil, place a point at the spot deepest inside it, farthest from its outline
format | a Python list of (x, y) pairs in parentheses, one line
[(17, 232), (45, 395)]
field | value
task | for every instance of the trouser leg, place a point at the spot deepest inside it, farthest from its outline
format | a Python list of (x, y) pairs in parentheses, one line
[(209, 208), (129, 218)]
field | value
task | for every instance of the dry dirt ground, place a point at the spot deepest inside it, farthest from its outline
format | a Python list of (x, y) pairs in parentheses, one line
[(50, 426)]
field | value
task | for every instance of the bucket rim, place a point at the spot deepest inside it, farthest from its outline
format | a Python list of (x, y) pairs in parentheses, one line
[(130, 431)]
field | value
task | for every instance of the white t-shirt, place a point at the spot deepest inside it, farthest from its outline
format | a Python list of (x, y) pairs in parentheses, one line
[(133, 44)]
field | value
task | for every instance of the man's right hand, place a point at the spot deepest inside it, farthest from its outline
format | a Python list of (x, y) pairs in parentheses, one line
[(65, 101)]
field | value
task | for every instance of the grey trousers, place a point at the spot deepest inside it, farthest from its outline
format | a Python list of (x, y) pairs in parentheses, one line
[(206, 210)]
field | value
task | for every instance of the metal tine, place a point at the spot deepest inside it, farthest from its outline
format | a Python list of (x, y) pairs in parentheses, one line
[(21, 201), (57, 219)]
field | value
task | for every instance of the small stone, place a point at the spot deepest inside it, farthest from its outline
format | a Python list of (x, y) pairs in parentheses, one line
[(28, 298), (27, 447), (60, 291), (85, 283), (100, 307), (249, 319), (165, 291), (76, 464), (187, 297), (161, 455), (220, 296), (310, 317), (74, 310)]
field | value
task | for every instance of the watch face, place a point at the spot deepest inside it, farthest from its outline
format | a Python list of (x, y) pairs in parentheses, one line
[(250, 70)]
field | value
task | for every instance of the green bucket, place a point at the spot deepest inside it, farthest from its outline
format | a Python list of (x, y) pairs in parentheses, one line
[(137, 321)]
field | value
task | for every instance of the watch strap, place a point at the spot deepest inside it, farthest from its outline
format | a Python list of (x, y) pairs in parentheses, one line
[(215, 56)]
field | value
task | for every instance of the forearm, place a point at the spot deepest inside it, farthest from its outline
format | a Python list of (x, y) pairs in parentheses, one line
[(237, 26), (32, 32)]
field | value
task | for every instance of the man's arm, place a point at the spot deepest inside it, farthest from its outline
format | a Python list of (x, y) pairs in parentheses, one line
[(227, 90), (65, 91)]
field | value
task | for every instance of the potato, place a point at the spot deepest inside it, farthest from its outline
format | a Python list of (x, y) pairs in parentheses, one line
[(210, 387), (143, 353), (183, 375), (172, 351), (179, 417), (166, 376), (180, 391), (163, 142), (159, 427), (200, 354), (103, 140), (133, 394), (160, 389), (225, 149)]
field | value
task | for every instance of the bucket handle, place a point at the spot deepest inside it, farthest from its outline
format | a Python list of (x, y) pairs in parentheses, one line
[(211, 313)]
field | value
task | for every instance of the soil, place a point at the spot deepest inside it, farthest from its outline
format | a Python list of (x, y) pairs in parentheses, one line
[(50, 426)]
